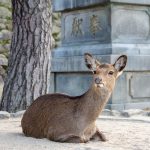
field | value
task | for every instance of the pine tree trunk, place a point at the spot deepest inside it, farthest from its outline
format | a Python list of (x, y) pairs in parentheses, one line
[(29, 61)]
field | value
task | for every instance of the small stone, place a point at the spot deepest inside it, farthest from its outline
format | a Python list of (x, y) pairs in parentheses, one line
[(2, 49), (6, 2), (2, 20), (9, 26), (132, 112), (6, 35), (4, 115), (5, 13), (3, 60), (18, 114), (57, 23), (146, 113), (56, 29), (115, 113), (2, 26), (55, 16), (7, 47)]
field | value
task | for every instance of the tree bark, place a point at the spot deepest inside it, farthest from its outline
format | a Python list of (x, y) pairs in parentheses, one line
[(29, 61)]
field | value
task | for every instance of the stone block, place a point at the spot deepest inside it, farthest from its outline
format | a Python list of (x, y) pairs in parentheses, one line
[(74, 63), (132, 112), (121, 86), (86, 26), (74, 4), (65, 5), (4, 115), (140, 86), (141, 104), (106, 29), (18, 114), (52, 83), (130, 24), (72, 83), (135, 2)]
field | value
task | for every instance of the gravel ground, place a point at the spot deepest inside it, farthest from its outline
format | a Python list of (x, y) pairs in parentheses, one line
[(122, 134)]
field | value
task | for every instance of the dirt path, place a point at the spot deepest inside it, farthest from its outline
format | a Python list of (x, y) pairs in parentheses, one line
[(122, 135)]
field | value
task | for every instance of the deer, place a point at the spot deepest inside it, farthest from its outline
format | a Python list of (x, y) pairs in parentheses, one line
[(72, 119)]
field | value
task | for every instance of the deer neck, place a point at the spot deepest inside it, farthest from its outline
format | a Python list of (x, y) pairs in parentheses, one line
[(93, 102)]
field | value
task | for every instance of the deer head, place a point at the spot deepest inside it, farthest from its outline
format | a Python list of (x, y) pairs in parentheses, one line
[(105, 75)]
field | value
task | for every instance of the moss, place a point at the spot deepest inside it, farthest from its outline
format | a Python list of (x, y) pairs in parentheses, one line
[(8, 18), (4, 42), (55, 34), (5, 67), (6, 54), (8, 24), (9, 27), (1, 29), (6, 6)]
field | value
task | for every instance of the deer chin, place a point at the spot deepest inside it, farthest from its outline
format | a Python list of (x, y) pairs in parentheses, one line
[(100, 85)]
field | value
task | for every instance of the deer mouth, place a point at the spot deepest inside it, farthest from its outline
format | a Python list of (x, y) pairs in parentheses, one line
[(100, 85), (99, 82)]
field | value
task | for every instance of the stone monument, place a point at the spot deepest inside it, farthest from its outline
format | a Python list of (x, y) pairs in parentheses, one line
[(106, 29)]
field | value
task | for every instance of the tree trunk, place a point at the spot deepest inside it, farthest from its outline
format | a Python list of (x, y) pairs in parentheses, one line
[(29, 60)]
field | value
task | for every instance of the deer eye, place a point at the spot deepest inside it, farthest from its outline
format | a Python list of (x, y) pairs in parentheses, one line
[(94, 72), (111, 73)]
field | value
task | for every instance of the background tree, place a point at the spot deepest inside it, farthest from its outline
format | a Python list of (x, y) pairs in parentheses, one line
[(29, 63)]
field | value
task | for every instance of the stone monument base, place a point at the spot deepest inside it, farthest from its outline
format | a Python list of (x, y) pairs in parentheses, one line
[(132, 90), (106, 29)]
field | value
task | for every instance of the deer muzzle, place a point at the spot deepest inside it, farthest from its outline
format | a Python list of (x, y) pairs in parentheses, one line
[(99, 82)]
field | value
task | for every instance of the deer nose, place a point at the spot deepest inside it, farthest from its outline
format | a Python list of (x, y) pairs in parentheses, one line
[(98, 80)]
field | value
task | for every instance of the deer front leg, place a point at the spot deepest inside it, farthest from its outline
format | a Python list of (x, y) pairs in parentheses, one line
[(75, 139), (69, 139), (98, 136)]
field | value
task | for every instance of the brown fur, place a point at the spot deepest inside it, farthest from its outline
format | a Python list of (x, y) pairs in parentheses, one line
[(64, 118)]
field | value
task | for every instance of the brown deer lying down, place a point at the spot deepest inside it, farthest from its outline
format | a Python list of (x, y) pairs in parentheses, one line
[(64, 118)]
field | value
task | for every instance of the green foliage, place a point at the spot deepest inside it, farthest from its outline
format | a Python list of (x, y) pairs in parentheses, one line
[(6, 6), (4, 42)]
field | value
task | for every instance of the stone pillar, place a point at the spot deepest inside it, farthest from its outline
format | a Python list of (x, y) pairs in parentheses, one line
[(106, 29)]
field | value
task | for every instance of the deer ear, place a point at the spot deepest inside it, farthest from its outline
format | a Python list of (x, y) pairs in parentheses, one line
[(120, 64), (90, 62)]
